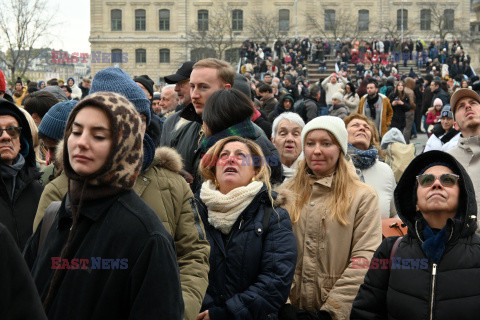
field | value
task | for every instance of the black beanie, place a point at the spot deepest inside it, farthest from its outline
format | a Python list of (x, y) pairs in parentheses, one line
[(146, 82), (7, 111), (19, 80)]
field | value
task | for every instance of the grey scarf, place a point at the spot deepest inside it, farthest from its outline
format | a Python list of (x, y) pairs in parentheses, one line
[(8, 174)]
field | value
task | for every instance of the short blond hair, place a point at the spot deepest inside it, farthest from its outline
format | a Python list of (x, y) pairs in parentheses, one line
[(226, 72)]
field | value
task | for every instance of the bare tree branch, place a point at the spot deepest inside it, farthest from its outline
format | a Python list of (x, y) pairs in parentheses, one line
[(264, 26), (22, 24), (338, 25), (220, 35)]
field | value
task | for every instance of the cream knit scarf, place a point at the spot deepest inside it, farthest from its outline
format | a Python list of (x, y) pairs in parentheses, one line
[(224, 209)]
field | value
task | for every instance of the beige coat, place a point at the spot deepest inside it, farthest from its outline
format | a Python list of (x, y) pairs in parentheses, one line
[(324, 278)]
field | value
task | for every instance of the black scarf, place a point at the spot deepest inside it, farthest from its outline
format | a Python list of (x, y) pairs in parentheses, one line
[(371, 105), (449, 135)]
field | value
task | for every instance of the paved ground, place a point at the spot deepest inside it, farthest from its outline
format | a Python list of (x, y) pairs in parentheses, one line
[(419, 142)]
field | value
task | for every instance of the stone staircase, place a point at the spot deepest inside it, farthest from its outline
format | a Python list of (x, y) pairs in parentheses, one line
[(313, 75)]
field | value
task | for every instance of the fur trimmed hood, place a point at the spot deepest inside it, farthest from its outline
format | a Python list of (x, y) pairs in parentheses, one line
[(168, 158), (284, 196)]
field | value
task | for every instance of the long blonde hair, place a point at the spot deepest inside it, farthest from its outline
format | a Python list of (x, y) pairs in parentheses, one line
[(344, 183)]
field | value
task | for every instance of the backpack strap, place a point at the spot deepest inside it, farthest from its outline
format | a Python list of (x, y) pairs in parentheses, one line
[(47, 222), (394, 250)]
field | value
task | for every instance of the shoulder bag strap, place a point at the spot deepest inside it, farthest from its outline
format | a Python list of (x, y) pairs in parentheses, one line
[(47, 222)]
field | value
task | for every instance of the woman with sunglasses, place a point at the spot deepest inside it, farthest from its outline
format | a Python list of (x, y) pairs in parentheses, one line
[(433, 270)]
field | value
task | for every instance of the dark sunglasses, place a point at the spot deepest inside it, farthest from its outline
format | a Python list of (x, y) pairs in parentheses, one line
[(446, 179), (13, 132)]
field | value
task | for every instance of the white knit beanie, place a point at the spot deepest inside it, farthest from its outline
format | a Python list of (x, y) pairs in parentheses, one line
[(334, 125), (337, 95)]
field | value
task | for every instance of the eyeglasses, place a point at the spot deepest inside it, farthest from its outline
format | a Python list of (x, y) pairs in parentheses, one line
[(446, 179), (13, 132)]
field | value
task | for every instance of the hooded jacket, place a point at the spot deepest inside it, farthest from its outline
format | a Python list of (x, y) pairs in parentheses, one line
[(130, 268), (17, 215), (416, 287), (253, 283), (279, 109), (167, 193)]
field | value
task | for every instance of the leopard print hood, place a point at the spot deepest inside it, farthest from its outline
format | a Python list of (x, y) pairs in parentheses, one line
[(124, 162)]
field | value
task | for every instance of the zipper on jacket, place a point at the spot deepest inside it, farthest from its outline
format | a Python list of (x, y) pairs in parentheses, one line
[(432, 295), (240, 226)]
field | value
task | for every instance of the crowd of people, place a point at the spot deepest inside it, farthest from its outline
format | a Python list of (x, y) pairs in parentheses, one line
[(357, 58), (224, 196)]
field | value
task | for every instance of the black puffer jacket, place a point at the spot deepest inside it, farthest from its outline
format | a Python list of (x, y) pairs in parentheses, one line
[(447, 290), (251, 269)]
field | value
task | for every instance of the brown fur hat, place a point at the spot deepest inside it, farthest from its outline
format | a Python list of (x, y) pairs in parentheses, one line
[(125, 159)]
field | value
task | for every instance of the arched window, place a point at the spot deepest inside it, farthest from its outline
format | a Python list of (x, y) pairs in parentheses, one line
[(363, 20), (140, 20), (164, 55), (399, 19), (116, 55), (141, 56), (164, 20), (283, 19), (449, 16), (202, 20), (116, 17), (237, 20), (329, 19), (425, 19)]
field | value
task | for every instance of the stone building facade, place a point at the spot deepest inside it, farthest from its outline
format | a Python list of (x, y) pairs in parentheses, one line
[(155, 37)]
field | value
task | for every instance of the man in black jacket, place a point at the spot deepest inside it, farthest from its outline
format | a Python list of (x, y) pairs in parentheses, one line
[(438, 92), (19, 185)]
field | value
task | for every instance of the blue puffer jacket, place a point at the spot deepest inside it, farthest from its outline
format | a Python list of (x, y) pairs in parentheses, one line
[(251, 269)]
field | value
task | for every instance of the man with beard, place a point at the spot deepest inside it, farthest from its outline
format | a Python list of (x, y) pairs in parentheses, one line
[(465, 105), (182, 131), (168, 101), (376, 107), (19, 93), (287, 138)]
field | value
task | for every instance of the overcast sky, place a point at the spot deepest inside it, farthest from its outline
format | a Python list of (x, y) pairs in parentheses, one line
[(73, 25)]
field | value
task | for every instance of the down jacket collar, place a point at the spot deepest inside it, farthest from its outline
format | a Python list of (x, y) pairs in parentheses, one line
[(463, 224)]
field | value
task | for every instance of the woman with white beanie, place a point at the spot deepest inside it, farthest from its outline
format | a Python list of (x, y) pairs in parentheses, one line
[(338, 108), (336, 221)]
